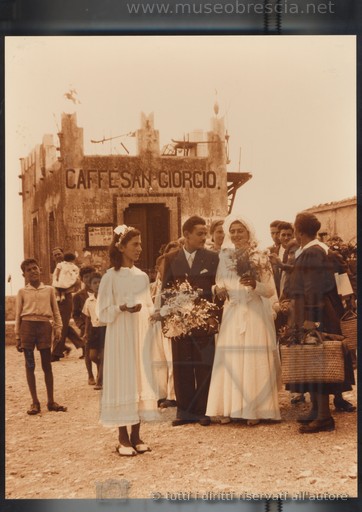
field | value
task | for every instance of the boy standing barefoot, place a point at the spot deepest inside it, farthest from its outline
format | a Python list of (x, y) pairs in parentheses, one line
[(36, 306), (80, 319), (95, 332)]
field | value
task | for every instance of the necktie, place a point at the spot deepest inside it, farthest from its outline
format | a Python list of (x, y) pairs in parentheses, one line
[(190, 260)]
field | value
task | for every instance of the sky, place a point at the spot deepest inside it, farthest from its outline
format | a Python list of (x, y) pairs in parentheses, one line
[(289, 105)]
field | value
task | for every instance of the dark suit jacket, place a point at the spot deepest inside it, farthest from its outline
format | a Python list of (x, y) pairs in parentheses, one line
[(200, 275)]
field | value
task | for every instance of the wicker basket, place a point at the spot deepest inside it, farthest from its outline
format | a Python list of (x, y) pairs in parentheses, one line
[(349, 329), (323, 362)]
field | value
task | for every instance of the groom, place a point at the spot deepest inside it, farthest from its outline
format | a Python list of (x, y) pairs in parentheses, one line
[(193, 354)]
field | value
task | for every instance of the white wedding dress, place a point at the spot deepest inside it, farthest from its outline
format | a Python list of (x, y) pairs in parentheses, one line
[(246, 371), (129, 391)]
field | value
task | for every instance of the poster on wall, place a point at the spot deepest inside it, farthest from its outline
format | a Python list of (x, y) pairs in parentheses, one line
[(98, 235)]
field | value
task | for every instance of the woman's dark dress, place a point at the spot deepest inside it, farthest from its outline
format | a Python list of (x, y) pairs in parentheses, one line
[(312, 286)]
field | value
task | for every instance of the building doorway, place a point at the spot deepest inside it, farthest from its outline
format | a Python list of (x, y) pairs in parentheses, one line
[(153, 221)]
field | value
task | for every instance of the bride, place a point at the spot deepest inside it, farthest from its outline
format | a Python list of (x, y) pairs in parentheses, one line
[(245, 376)]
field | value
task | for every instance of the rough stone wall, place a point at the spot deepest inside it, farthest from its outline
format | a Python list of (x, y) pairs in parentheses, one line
[(42, 194), (78, 189), (103, 187), (338, 218)]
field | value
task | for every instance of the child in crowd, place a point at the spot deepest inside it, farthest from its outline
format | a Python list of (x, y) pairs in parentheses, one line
[(80, 319), (36, 308), (66, 275), (95, 332)]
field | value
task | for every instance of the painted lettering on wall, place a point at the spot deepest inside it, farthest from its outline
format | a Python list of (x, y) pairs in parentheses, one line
[(74, 238), (90, 178)]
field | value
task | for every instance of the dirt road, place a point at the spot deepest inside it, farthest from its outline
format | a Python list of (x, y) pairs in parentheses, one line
[(64, 455)]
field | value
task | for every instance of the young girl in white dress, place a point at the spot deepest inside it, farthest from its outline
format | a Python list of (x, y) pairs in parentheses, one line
[(125, 305), (246, 371)]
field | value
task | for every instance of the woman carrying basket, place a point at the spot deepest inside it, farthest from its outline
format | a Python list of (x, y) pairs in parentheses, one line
[(312, 286)]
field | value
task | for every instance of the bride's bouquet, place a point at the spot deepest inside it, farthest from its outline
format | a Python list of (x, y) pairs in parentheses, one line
[(184, 310), (250, 262)]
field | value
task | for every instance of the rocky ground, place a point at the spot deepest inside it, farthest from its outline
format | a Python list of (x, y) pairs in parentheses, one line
[(65, 455)]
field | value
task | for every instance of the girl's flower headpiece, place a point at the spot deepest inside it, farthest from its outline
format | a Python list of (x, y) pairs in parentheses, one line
[(122, 231)]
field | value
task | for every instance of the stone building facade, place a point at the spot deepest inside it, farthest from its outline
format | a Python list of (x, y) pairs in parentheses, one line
[(74, 200), (338, 218)]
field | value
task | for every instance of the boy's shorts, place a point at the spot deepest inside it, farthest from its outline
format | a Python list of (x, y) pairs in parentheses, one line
[(97, 338), (34, 333)]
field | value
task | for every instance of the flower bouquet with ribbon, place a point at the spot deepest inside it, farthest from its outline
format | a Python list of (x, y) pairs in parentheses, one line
[(250, 262), (184, 310)]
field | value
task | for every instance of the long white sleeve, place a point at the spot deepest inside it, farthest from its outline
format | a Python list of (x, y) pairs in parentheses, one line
[(222, 269), (107, 310), (148, 297), (266, 287)]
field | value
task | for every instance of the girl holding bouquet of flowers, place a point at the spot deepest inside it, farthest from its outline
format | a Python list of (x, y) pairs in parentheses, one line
[(246, 372), (125, 305)]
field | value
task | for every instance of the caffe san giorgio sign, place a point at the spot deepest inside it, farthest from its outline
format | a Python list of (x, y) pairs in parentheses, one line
[(164, 179)]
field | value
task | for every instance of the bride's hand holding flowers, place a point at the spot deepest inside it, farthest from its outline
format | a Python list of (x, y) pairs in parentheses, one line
[(248, 281)]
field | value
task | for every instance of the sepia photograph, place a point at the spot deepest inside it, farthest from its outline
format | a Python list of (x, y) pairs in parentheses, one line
[(181, 270)]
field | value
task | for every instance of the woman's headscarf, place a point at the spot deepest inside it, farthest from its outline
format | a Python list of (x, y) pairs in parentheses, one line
[(230, 219)]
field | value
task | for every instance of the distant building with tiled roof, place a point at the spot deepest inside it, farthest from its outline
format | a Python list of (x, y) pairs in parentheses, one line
[(338, 218)]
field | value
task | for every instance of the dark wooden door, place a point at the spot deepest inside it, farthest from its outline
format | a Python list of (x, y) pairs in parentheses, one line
[(153, 222)]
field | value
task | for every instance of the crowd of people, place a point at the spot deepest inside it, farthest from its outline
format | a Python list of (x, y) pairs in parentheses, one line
[(227, 367)]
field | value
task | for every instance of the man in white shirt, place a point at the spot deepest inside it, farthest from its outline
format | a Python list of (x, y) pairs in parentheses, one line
[(193, 354)]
